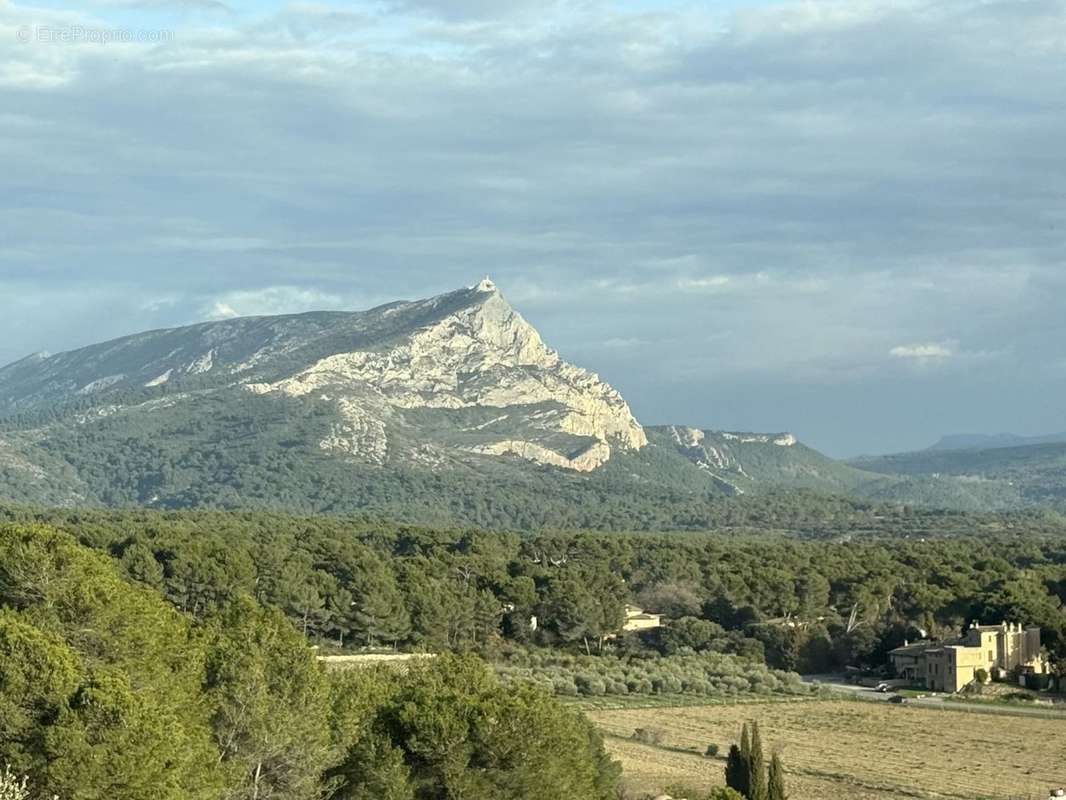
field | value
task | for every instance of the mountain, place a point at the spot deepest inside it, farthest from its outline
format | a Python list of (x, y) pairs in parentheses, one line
[(982, 441), (448, 410), (422, 382), (390, 409)]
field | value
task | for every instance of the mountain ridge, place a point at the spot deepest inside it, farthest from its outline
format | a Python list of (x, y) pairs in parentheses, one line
[(383, 371), (451, 402)]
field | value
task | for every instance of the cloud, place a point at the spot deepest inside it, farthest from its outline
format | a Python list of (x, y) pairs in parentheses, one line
[(930, 351), (181, 5), (222, 310), (475, 9), (271, 300), (710, 283)]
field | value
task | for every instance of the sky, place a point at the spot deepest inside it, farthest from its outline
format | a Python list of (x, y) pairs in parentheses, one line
[(841, 219)]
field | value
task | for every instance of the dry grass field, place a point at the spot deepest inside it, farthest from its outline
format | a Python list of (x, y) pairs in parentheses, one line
[(837, 750)]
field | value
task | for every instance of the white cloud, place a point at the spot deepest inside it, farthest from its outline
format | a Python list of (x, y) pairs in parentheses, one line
[(930, 351), (710, 283), (222, 310), (180, 5), (474, 9), (271, 300)]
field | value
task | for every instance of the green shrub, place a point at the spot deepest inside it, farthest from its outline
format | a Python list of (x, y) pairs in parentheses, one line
[(591, 685), (564, 686)]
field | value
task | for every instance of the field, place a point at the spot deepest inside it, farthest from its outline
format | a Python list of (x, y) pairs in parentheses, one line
[(848, 749)]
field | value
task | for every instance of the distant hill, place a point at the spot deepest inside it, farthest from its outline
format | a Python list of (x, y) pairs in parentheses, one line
[(981, 441), (758, 463), (749, 462), (448, 410), (1036, 473)]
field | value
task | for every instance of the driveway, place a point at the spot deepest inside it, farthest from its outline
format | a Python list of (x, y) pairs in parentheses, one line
[(836, 683)]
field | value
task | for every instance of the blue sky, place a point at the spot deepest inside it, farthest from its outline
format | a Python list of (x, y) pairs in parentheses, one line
[(842, 219)]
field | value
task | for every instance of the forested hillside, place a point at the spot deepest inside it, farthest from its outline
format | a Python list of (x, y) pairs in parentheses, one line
[(148, 655), (232, 450), (361, 582), (107, 691)]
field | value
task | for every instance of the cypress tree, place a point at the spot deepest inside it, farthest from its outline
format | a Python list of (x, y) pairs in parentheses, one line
[(736, 772), (756, 767), (744, 786), (776, 789)]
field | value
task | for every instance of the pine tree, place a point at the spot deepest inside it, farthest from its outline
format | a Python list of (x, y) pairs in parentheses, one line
[(736, 773), (756, 767), (744, 785), (776, 789)]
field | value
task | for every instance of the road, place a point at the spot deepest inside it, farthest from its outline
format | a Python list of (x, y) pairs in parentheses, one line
[(835, 683)]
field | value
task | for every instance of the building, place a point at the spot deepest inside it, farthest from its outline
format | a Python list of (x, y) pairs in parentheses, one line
[(637, 619), (951, 665)]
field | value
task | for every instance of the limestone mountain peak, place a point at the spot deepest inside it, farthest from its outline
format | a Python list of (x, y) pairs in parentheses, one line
[(438, 381)]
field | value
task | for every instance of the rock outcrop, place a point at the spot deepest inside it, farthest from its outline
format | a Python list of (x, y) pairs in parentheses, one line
[(481, 355)]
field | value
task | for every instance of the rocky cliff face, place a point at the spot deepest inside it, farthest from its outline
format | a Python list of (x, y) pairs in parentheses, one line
[(428, 382), (482, 355)]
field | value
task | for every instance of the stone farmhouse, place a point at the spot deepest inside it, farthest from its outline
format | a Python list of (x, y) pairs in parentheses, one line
[(948, 666)]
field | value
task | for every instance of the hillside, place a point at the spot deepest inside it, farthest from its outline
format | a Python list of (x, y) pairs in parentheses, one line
[(746, 462), (1035, 472), (448, 410), (980, 441)]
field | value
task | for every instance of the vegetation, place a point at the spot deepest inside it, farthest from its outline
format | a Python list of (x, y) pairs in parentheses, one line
[(746, 772), (165, 655), (797, 605), (776, 786), (108, 691), (706, 674)]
